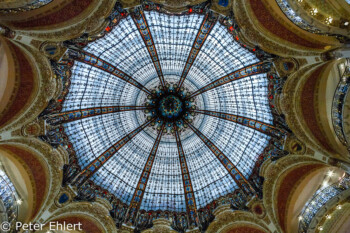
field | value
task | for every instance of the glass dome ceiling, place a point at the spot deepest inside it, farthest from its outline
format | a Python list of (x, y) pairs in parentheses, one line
[(167, 112)]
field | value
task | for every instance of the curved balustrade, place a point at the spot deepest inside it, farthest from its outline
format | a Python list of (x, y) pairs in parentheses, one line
[(30, 6), (320, 199), (295, 18), (9, 199), (338, 107)]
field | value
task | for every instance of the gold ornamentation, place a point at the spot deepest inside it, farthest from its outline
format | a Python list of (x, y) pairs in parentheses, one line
[(230, 219), (272, 174), (45, 90), (99, 10), (289, 106), (94, 210), (160, 225), (295, 146), (286, 66), (53, 160), (267, 41)]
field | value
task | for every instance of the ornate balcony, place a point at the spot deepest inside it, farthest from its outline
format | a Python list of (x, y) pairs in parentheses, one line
[(295, 18), (30, 6), (9, 200), (338, 106), (321, 201)]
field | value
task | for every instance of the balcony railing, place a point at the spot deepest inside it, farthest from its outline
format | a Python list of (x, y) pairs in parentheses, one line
[(320, 199), (30, 6), (295, 18), (9, 199), (338, 105)]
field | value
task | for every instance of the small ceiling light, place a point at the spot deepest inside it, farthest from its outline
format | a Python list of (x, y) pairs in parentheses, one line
[(328, 216), (314, 11), (339, 207), (320, 228), (300, 218), (330, 173), (346, 23), (329, 20), (19, 202), (324, 184)]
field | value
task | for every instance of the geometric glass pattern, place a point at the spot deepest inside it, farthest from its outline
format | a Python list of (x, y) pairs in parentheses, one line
[(162, 53)]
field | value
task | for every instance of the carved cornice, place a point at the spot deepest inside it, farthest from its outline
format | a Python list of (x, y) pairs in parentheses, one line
[(161, 225), (226, 220), (100, 10), (178, 3), (95, 210)]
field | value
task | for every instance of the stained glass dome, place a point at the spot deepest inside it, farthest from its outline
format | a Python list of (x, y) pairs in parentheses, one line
[(166, 111)]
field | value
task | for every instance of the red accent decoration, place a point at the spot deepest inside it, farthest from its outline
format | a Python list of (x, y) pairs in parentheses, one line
[(122, 14), (108, 29), (32, 129), (237, 38), (190, 10), (231, 28), (59, 100), (254, 50), (258, 210)]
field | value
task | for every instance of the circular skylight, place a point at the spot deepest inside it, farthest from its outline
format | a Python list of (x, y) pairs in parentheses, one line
[(167, 112)]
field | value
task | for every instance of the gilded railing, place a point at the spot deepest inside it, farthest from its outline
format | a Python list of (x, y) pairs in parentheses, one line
[(9, 201), (295, 18), (338, 105), (319, 200), (30, 6)]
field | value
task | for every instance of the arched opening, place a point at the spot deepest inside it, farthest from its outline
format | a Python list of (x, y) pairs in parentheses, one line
[(304, 191), (18, 84), (28, 174), (316, 99), (7, 74)]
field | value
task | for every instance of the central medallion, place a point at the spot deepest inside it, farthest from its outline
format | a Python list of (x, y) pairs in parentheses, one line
[(170, 107)]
